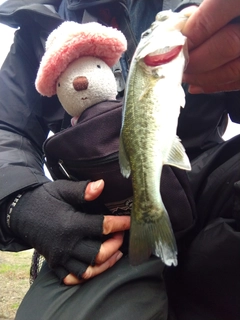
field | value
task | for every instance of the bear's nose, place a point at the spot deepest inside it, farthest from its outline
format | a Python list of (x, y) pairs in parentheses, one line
[(80, 83)]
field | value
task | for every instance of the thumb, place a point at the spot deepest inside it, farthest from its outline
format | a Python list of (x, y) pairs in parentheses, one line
[(204, 22), (74, 192), (93, 190)]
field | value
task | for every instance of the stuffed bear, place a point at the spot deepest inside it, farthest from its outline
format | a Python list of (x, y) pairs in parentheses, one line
[(77, 65)]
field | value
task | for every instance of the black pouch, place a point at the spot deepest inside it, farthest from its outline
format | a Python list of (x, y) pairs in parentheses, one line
[(89, 150)]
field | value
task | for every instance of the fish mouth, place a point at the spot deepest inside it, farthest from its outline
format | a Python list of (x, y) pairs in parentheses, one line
[(159, 57)]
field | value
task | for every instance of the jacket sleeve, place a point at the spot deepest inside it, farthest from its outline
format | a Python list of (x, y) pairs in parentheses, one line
[(25, 116)]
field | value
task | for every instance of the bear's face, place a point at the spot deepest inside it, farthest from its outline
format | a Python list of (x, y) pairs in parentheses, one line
[(85, 82)]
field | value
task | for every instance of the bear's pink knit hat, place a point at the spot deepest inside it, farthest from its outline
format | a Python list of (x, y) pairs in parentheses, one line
[(71, 41)]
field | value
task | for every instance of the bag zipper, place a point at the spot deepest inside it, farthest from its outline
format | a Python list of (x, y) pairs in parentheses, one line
[(84, 164), (89, 163)]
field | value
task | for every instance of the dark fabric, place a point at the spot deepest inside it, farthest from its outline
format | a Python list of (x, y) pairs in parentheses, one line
[(18, 150), (143, 14), (205, 116), (25, 116), (186, 3), (25, 113), (203, 120), (95, 156), (24, 12), (212, 178), (122, 292), (206, 284), (50, 219)]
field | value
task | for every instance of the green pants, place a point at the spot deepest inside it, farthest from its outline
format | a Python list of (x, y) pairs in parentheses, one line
[(122, 292)]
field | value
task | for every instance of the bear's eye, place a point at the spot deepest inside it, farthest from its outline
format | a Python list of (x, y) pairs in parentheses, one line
[(59, 85), (98, 66)]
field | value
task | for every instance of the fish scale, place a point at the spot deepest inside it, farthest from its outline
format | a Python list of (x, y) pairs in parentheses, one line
[(148, 137)]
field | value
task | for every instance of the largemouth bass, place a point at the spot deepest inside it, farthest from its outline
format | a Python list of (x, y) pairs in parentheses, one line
[(148, 137)]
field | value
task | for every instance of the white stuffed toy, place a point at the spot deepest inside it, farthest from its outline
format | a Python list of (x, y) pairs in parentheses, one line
[(77, 65)]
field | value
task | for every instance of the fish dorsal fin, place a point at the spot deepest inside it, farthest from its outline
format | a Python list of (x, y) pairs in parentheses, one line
[(177, 156)]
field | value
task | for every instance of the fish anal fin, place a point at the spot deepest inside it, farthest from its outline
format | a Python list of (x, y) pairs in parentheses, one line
[(123, 159), (152, 238), (177, 156)]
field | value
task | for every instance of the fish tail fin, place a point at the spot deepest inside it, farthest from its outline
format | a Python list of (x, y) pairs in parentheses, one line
[(123, 159), (156, 238)]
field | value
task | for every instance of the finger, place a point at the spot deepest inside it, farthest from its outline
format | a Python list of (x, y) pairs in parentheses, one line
[(61, 272), (205, 21), (224, 75), (93, 271), (109, 247), (93, 190), (71, 192), (71, 280), (113, 224), (85, 251), (109, 253), (222, 48), (77, 267)]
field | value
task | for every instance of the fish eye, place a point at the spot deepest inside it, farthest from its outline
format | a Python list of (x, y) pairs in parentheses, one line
[(145, 34), (98, 65)]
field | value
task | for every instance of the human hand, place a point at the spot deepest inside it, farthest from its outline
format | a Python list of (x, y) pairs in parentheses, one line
[(109, 252), (214, 47), (50, 219)]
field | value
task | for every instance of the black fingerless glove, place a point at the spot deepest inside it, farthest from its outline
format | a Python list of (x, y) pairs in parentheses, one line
[(49, 219)]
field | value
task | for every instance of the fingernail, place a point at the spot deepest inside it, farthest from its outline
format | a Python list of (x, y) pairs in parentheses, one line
[(195, 89), (119, 256), (96, 184)]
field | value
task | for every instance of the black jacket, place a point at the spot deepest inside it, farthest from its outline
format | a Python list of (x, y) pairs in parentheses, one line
[(26, 117), (206, 283)]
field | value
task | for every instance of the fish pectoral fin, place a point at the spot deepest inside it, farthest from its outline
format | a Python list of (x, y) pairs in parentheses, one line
[(123, 159), (156, 238), (177, 156)]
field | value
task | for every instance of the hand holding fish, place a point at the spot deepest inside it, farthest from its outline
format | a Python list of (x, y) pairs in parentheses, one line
[(213, 33), (109, 252)]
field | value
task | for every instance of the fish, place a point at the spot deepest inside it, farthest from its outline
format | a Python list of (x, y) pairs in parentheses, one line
[(148, 140)]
